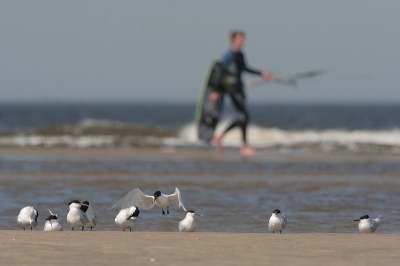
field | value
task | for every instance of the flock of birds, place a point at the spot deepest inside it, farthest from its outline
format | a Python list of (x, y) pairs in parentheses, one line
[(82, 215)]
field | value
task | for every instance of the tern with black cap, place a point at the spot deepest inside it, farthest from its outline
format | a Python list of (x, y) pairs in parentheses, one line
[(52, 223), (137, 198), (368, 225), (188, 224), (277, 222), (76, 217)]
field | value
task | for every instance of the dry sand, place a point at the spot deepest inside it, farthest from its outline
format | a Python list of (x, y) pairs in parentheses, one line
[(157, 248)]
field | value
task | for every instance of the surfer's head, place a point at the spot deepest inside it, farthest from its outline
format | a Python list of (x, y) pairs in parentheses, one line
[(237, 40)]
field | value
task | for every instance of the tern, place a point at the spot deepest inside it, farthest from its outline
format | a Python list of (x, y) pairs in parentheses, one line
[(188, 224), (276, 223), (52, 223), (76, 217), (126, 218), (28, 216), (90, 213), (136, 197), (368, 225)]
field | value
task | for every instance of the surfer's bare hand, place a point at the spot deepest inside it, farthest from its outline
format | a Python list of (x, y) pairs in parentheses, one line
[(268, 76), (213, 97)]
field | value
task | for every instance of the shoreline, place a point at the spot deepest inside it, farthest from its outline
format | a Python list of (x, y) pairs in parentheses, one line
[(207, 154), (160, 248)]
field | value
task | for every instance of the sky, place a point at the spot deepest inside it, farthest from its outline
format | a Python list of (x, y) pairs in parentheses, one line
[(159, 51)]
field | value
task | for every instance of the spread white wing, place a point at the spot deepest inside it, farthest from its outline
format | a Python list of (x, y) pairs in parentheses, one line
[(136, 198), (175, 198)]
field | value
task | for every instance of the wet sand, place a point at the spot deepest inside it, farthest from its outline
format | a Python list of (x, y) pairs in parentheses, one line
[(145, 248), (206, 154)]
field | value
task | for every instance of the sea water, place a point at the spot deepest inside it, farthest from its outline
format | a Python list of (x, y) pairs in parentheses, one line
[(326, 166)]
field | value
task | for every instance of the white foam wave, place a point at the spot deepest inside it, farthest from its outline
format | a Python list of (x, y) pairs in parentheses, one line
[(260, 137), (67, 141)]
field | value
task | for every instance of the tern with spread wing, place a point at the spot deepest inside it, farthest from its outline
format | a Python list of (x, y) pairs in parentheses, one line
[(137, 198)]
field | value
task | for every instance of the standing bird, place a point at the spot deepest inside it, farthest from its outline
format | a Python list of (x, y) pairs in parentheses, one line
[(90, 213), (188, 224), (52, 223), (28, 216), (368, 225), (136, 197), (76, 217), (126, 218), (276, 223)]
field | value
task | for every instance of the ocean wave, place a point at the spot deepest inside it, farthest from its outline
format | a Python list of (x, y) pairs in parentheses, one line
[(105, 134), (325, 140)]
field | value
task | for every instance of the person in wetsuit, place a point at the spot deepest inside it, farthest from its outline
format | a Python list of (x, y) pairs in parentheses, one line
[(234, 64)]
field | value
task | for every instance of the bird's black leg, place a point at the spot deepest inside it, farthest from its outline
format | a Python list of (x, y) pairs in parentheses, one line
[(72, 229), (273, 232), (123, 230), (24, 228), (163, 212), (31, 227), (130, 229), (280, 232), (91, 228), (83, 228), (167, 209)]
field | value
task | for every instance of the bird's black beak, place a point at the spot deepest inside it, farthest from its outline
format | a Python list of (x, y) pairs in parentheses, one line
[(198, 214), (356, 220)]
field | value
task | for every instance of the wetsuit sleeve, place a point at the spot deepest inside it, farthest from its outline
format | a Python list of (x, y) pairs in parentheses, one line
[(246, 68)]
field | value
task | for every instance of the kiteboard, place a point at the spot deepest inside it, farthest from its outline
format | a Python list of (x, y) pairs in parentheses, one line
[(208, 113)]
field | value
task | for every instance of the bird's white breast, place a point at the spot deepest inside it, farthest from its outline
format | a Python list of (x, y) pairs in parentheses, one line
[(162, 202), (275, 224), (76, 218), (187, 225), (52, 225), (364, 227)]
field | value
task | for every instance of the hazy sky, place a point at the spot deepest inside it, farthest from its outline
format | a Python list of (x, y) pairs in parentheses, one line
[(160, 50)]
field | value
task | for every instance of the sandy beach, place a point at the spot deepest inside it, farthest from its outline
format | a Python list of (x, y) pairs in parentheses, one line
[(230, 244), (149, 248)]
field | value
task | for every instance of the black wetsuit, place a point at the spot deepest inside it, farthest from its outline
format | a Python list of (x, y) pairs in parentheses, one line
[(234, 64)]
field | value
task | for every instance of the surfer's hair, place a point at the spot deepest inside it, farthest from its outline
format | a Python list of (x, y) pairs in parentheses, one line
[(235, 33)]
